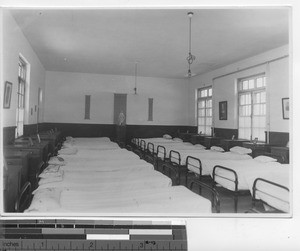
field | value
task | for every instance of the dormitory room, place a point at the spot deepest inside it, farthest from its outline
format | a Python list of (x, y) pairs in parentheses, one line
[(164, 112)]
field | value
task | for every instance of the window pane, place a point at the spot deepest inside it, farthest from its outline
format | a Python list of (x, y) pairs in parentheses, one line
[(259, 82), (256, 98), (251, 83), (245, 85), (203, 93), (209, 112), (201, 104), (263, 97), (210, 92), (209, 103), (201, 112), (264, 81), (208, 122)]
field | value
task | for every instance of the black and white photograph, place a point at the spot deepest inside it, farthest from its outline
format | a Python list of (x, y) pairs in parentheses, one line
[(163, 112)]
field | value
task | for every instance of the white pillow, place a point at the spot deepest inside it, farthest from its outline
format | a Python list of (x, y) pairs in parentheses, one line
[(265, 159), (177, 140), (46, 175), (167, 136), (217, 148), (68, 151), (56, 161), (50, 180), (240, 150)]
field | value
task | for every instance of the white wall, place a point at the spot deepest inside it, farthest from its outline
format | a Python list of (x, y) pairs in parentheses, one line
[(14, 44), (225, 88), (64, 101)]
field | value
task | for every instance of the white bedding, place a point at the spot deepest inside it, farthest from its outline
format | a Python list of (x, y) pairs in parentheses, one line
[(167, 200), (274, 196), (97, 180), (90, 143), (210, 158), (102, 180), (244, 169)]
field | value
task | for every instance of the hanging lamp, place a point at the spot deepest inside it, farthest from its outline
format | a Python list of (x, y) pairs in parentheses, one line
[(190, 58)]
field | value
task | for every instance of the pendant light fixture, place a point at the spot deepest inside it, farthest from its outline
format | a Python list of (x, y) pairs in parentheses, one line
[(190, 59)]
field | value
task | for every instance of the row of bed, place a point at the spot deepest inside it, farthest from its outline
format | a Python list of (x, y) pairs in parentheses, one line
[(96, 176), (236, 170)]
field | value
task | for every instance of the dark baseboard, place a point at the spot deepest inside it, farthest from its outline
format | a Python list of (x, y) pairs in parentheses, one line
[(83, 130)]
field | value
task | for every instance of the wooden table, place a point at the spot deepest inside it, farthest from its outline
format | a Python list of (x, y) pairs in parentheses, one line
[(226, 144), (211, 141)]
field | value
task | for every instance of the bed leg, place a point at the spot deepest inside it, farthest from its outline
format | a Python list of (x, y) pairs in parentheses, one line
[(235, 201)]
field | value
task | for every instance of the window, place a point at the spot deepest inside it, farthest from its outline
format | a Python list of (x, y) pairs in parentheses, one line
[(150, 109), (87, 107), (204, 110), (21, 98), (252, 108)]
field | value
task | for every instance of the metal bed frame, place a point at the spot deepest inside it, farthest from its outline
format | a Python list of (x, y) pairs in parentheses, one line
[(255, 189), (24, 198), (215, 197)]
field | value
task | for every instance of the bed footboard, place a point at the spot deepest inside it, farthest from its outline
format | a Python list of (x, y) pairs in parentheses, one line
[(215, 197), (273, 195), (24, 198), (142, 145), (172, 172), (235, 181), (174, 157), (194, 162), (150, 148)]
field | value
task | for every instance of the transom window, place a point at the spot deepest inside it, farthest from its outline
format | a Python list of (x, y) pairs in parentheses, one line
[(252, 107), (204, 110)]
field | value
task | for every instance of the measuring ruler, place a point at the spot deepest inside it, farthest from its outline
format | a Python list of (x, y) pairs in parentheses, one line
[(52, 235)]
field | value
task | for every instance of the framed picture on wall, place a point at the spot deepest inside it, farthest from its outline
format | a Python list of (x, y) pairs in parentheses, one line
[(223, 110), (286, 108), (7, 95)]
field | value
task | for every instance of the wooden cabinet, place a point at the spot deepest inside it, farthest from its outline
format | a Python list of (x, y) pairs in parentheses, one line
[(226, 144), (211, 141), (197, 139), (18, 159), (257, 148), (186, 136), (37, 154), (282, 152), (11, 186)]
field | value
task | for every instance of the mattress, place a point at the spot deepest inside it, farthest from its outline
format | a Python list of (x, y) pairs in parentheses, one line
[(127, 178), (210, 158), (160, 201), (243, 169), (90, 143), (274, 196), (105, 166)]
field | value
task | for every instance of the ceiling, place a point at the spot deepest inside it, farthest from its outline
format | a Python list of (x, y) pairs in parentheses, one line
[(110, 41)]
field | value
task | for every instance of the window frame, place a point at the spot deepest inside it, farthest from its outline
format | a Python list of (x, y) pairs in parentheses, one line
[(21, 96), (252, 92), (206, 98)]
